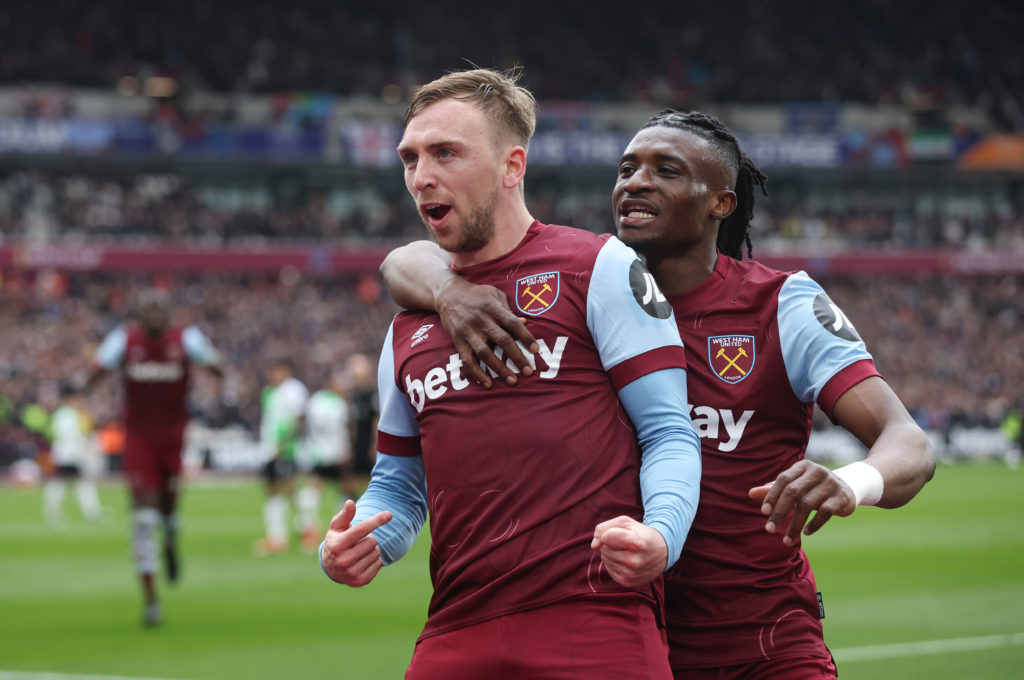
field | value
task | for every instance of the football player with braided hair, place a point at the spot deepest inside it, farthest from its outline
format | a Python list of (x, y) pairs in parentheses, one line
[(763, 347)]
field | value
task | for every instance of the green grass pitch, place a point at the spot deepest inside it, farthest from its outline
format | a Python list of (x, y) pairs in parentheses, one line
[(950, 566)]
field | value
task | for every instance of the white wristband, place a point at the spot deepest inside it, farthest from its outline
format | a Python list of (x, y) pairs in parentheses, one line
[(865, 480)]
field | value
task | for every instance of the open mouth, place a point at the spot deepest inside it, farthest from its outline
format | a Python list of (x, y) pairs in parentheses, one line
[(639, 213), (637, 210), (435, 211)]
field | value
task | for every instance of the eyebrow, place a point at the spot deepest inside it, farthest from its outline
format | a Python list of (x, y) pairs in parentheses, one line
[(660, 156), (403, 149)]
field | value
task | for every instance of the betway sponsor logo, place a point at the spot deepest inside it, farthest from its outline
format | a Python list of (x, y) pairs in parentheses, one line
[(440, 379), (710, 423), (154, 371)]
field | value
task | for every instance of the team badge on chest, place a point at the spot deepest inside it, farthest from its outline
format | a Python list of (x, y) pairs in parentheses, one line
[(731, 356), (537, 294)]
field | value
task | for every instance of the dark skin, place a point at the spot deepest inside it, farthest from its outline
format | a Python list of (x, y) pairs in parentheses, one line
[(477, 318), (670, 197)]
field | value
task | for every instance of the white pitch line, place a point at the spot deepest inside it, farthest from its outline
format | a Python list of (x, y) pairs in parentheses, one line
[(926, 647), (25, 675)]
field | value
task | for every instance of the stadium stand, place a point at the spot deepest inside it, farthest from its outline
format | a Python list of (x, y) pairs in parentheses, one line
[(947, 344), (135, 142), (126, 207), (875, 52)]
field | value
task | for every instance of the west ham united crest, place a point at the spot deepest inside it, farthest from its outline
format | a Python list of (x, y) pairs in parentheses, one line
[(731, 356), (537, 294)]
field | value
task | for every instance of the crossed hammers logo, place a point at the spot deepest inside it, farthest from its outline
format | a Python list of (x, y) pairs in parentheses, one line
[(536, 297), (740, 352)]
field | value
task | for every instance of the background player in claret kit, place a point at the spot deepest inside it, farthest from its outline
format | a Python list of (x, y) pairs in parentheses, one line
[(75, 455), (549, 527), (154, 359), (762, 348), (327, 447), (283, 407)]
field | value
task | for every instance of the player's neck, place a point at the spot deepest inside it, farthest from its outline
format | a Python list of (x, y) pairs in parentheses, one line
[(681, 273), (510, 228)]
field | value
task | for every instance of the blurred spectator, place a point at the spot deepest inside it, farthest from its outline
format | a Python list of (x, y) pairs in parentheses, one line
[(123, 207), (103, 207), (949, 346), (920, 55)]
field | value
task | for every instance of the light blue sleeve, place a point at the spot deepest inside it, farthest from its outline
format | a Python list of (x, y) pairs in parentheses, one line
[(397, 415), (816, 337), (627, 315), (670, 467), (397, 483), (399, 486), (110, 353), (198, 347)]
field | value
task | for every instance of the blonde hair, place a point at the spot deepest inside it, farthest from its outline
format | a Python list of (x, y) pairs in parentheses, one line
[(511, 107)]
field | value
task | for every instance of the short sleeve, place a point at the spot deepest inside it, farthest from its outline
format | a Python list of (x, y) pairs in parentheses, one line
[(110, 353), (398, 431), (198, 347), (818, 340), (630, 320)]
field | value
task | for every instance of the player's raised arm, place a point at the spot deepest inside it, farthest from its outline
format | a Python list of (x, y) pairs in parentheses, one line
[(202, 353), (108, 357), (95, 375), (419, 276), (415, 272)]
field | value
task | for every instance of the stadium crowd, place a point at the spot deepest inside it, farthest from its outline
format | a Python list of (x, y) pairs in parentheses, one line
[(874, 52), (126, 207), (37, 206), (948, 345)]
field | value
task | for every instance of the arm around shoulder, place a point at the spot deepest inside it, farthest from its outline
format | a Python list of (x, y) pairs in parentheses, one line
[(419, 276), (415, 273)]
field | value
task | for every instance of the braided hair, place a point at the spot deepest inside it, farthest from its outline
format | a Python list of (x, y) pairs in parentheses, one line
[(733, 232)]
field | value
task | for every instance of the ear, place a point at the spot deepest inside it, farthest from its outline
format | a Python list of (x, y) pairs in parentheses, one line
[(722, 204), (515, 167)]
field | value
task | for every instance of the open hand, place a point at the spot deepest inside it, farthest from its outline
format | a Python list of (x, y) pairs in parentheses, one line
[(478, 318)]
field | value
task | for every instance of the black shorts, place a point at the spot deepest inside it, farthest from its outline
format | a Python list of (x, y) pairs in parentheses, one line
[(279, 470), (332, 472), (67, 471)]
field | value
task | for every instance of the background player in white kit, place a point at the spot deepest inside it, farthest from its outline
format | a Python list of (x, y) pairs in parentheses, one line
[(327, 448), (284, 405), (76, 456)]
